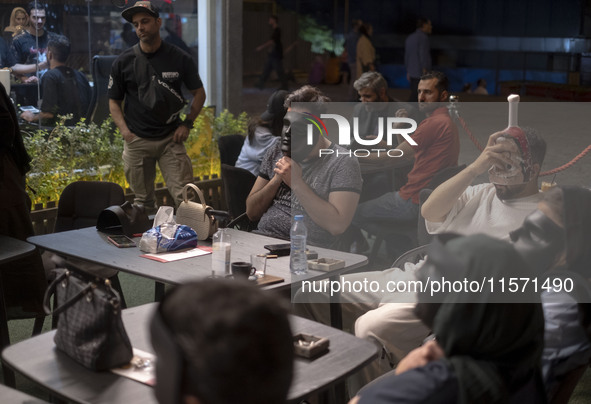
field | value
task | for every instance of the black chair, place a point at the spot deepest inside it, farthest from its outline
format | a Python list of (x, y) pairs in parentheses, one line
[(79, 206), (230, 147), (99, 103), (237, 185)]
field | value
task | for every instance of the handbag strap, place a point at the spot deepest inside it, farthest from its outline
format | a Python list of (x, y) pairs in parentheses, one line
[(51, 290), (197, 191)]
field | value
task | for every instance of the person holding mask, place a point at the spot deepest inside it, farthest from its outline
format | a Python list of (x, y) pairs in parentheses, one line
[(295, 179)]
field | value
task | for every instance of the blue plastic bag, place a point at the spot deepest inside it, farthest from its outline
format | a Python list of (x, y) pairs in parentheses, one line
[(168, 237)]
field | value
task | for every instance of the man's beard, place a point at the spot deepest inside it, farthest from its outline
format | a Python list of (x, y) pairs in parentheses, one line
[(505, 192)]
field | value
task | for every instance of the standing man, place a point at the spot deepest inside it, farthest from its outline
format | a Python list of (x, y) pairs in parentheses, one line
[(64, 90), (150, 123), (28, 56), (275, 56), (417, 55)]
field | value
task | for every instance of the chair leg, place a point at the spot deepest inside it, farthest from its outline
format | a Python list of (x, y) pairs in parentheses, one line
[(117, 286), (38, 325)]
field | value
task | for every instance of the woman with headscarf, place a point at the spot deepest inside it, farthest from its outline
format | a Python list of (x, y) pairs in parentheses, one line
[(485, 351), (19, 20), (555, 241)]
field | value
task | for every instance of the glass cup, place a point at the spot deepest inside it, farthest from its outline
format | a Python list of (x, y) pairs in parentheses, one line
[(259, 262), (547, 185)]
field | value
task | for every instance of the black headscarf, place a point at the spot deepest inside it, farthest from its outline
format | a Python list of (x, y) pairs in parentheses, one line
[(494, 348), (577, 225)]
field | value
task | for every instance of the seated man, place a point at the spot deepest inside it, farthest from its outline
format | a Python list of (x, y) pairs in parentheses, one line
[(438, 147), (221, 342), (295, 179), (493, 209), (64, 90)]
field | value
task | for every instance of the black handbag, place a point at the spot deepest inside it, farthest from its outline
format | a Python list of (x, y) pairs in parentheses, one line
[(89, 329)]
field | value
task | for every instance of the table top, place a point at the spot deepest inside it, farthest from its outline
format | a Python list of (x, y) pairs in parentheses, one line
[(39, 360), (11, 396), (12, 248), (91, 245)]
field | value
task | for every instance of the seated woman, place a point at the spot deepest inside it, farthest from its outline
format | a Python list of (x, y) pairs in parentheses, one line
[(483, 352), (554, 240), (263, 133)]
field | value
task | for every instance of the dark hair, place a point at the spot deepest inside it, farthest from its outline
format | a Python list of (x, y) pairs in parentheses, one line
[(480, 81), (363, 30), (231, 332), (442, 80), (554, 198), (35, 5), (275, 126), (274, 16), (537, 145), (60, 48), (422, 21), (306, 93)]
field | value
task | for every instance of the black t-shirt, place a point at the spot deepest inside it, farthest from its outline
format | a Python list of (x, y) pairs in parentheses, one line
[(65, 91), (24, 48), (175, 68)]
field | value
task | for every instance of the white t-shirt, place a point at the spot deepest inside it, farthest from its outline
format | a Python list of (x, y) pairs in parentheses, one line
[(479, 210)]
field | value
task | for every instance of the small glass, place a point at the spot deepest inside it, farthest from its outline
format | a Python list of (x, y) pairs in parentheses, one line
[(259, 262)]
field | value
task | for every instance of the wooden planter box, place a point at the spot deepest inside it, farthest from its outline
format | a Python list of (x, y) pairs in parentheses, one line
[(43, 218)]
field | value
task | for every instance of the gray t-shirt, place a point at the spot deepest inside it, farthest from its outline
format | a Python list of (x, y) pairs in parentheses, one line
[(324, 175)]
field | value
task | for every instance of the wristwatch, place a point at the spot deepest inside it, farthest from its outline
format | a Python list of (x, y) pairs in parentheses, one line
[(188, 123)]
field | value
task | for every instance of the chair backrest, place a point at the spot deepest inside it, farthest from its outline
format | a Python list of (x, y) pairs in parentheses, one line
[(81, 202), (230, 147), (413, 256), (237, 185), (99, 103)]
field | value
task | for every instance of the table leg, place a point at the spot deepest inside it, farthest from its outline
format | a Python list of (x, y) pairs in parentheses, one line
[(336, 314), (158, 291)]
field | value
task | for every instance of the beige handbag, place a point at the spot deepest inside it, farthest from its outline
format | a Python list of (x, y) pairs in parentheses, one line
[(196, 215)]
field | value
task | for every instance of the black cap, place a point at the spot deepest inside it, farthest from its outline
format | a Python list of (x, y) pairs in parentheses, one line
[(140, 6), (275, 105)]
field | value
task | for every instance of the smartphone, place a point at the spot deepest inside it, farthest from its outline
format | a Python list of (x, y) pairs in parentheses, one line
[(279, 249), (122, 241)]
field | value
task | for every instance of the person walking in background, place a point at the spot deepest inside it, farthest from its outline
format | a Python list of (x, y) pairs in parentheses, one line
[(19, 21), (152, 129), (366, 53), (481, 89), (351, 49), (417, 56), (274, 57)]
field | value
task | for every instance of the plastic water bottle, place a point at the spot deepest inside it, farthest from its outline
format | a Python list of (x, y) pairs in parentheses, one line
[(298, 262), (221, 251)]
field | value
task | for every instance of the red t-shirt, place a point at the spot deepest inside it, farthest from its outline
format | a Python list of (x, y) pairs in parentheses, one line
[(438, 148)]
